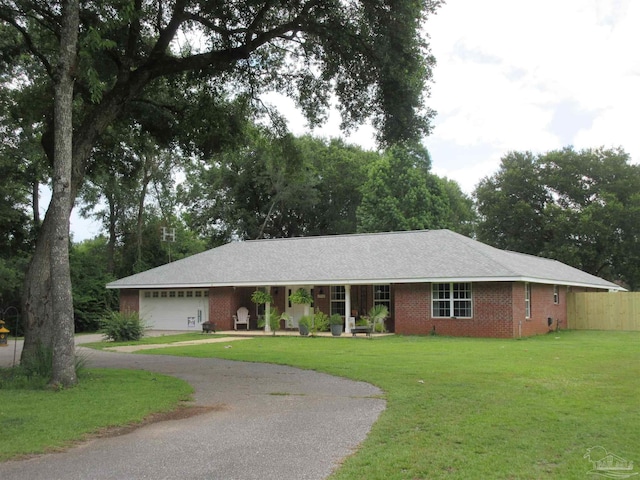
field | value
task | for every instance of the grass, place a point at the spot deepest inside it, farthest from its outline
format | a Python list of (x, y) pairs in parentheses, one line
[(476, 408), (36, 421)]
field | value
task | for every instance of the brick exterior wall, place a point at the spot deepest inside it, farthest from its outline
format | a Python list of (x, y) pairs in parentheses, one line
[(498, 311), (542, 308), (223, 304), (129, 301), (498, 308)]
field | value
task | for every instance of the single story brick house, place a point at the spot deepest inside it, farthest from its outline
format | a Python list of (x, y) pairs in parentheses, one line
[(431, 280)]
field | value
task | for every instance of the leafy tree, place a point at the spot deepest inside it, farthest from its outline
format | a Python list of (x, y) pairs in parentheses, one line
[(512, 204), (309, 49), (339, 171), (462, 215), (250, 191), (89, 275), (154, 251), (579, 207), (401, 194), (276, 187), (595, 194)]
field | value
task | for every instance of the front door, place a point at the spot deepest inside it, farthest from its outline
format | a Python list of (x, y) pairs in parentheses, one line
[(296, 310)]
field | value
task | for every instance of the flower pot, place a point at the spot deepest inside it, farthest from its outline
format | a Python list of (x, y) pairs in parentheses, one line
[(304, 330), (336, 330)]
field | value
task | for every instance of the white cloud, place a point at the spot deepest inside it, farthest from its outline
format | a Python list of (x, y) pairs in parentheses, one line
[(533, 76), (522, 75)]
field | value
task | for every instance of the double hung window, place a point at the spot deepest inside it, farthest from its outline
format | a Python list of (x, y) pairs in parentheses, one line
[(338, 300), (382, 296), (451, 300)]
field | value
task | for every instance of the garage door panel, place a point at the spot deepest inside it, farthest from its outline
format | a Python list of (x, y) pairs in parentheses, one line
[(173, 313)]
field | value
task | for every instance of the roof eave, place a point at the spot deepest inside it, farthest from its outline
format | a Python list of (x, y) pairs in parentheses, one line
[(369, 281)]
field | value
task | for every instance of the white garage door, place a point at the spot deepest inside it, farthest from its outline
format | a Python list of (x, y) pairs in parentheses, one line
[(174, 309)]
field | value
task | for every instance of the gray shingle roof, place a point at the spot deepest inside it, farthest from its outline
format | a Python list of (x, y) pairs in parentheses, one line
[(397, 257)]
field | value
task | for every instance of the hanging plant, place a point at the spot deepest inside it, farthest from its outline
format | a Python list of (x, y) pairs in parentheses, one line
[(301, 297), (260, 297)]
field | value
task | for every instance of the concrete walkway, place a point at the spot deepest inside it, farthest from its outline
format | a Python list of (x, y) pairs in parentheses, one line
[(268, 422)]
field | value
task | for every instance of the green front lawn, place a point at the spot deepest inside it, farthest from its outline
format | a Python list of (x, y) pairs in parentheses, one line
[(38, 421), (476, 408)]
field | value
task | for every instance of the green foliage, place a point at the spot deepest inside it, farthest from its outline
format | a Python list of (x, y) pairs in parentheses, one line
[(32, 417), (400, 193), (276, 186), (274, 320), (301, 297), (35, 371), (123, 326), (376, 317), (319, 323), (261, 297), (305, 321), (89, 275), (335, 319), (578, 207), (511, 205)]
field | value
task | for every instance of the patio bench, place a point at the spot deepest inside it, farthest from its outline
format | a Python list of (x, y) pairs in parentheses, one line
[(361, 329)]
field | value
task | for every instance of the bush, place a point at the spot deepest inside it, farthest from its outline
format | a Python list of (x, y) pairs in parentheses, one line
[(320, 322), (123, 326)]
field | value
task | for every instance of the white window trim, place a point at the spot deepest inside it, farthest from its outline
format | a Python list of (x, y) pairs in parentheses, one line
[(556, 295), (341, 301), (451, 299), (385, 301), (527, 300)]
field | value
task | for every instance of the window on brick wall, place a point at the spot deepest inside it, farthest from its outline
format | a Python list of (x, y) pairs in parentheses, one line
[(451, 300), (556, 294), (527, 300)]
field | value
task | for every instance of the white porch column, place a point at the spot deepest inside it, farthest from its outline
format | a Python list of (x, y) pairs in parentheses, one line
[(347, 308), (267, 308)]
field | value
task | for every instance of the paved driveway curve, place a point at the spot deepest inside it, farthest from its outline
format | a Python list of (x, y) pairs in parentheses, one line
[(276, 422)]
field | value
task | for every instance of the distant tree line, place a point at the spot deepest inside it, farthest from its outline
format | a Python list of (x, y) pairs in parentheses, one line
[(579, 207)]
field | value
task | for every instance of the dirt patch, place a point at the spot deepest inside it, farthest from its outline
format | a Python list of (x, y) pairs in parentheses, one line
[(180, 413)]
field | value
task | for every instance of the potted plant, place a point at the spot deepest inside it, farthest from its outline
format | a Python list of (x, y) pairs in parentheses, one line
[(319, 323), (335, 321), (304, 325), (303, 297)]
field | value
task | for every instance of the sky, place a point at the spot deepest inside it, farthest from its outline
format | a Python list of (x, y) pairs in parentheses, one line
[(518, 75)]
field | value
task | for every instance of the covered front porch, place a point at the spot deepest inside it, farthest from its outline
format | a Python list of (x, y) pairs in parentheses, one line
[(349, 301)]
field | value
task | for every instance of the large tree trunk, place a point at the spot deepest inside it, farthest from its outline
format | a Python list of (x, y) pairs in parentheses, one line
[(63, 366), (36, 298)]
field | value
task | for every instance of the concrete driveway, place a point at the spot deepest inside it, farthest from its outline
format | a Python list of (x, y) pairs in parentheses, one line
[(269, 422)]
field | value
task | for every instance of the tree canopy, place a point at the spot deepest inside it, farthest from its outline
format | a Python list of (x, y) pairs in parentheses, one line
[(135, 58), (579, 207)]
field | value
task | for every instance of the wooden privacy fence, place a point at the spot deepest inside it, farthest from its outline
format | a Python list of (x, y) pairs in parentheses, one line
[(603, 311)]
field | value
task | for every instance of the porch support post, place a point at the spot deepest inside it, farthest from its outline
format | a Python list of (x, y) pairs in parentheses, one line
[(267, 309), (347, 308)]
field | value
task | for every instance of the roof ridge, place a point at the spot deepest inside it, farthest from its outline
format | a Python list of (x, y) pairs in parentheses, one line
[(337, 235)]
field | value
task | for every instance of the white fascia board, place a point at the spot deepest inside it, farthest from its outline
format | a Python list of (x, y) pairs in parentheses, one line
[(371, 281), (158, 286)]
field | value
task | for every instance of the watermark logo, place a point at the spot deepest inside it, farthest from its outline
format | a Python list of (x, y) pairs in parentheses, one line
[(608, 465)]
